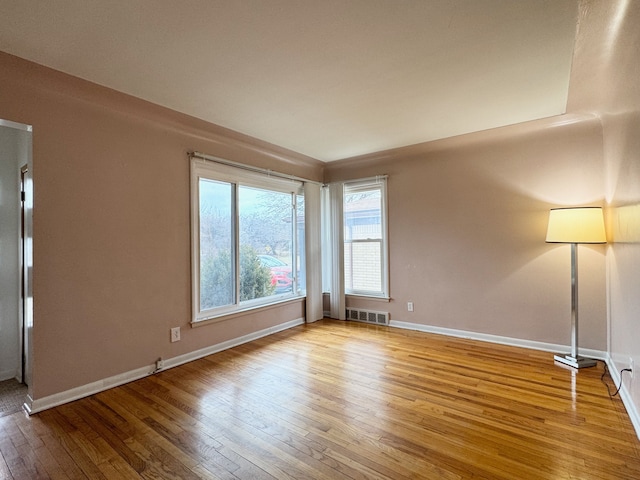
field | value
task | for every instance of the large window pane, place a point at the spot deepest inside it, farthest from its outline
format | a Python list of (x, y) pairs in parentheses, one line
[(217, 265), (266, 243)]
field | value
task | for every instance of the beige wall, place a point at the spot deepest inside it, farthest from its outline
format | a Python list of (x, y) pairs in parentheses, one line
[(606, 80), (467, 223), (111, 225)]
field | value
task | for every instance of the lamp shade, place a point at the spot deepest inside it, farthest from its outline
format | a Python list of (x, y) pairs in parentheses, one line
[(576, 225)]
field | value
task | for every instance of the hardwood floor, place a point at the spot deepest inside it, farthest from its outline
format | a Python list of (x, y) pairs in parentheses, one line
[(338, 400)]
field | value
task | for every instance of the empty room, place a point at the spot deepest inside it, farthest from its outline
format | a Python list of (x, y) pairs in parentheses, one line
[(366, 239)]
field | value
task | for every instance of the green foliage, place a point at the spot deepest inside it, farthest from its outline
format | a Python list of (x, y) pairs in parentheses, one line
[(255, 278), (216, 281), (216, 278)]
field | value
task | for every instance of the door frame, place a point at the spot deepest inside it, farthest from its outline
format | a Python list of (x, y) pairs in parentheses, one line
[(24, 277)]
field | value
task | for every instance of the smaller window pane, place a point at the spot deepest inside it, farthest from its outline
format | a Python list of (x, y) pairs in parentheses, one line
[(300, 261), (217, 278), (364, 257), (362, 215), (363, 266)]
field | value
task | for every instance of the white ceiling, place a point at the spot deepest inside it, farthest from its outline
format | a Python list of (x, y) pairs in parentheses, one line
[(330, 79)]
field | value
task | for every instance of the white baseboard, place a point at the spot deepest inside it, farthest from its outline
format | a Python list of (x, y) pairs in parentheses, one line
[(40, 404), (632, 411), (26, 406), (625, 396), (484, 337), (34, 406), (189, 357)]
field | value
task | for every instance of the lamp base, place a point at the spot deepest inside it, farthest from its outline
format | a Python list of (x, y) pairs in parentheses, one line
[(575, 362)]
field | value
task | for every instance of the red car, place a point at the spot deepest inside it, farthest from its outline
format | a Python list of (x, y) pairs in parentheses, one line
[(280, 273)]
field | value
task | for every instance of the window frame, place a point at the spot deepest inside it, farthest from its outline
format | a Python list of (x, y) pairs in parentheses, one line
[(219, 172), (379, 183)]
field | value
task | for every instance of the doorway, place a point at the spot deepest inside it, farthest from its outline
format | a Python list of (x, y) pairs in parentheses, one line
[(16, 265)]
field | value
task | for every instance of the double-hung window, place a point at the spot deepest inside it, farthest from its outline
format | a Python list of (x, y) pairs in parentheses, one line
[(365, 239), (247, 237)]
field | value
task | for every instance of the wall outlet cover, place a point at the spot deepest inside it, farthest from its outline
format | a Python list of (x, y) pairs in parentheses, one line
[(175, 334)]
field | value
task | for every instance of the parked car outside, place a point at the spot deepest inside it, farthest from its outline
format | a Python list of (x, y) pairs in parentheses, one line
[(281, 275)]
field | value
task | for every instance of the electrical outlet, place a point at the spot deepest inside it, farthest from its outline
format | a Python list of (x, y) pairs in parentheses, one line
[(410, 306), (175, 334)]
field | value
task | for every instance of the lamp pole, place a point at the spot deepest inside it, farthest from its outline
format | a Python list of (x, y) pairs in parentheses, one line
[(574, 300), (573, 359)]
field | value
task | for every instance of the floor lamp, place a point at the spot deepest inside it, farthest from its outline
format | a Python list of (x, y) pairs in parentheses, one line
[(574, 226)]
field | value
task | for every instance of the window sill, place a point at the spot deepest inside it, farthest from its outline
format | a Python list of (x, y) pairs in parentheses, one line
[(369, 297), (239, 313)]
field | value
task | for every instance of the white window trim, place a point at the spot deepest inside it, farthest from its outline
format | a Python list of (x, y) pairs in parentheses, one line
[(366, 184), (204, 169)]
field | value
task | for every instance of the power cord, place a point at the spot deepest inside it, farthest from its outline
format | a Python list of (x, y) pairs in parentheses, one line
[(606, 371)]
